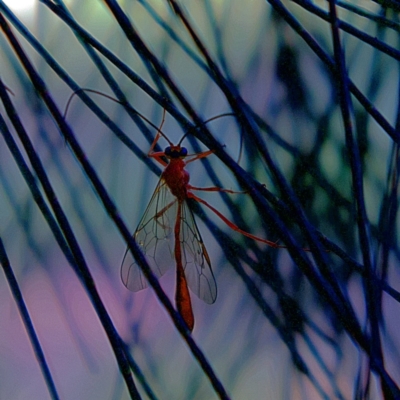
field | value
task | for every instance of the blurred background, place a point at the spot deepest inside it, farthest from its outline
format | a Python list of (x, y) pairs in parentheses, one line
[(287, 323)]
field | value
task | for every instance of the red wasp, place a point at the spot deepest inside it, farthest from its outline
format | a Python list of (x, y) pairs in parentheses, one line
[(168, 231)]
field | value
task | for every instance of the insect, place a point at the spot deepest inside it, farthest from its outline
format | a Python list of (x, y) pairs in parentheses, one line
[(168, 232)]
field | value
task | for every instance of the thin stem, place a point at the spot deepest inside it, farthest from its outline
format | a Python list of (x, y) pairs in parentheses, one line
[(376, 356), (27, 321)]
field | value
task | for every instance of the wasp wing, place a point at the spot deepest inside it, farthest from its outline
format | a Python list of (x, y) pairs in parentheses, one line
[(195, 259), (154, 235)]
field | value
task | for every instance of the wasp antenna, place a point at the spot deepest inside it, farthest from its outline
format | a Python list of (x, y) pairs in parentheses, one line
[(119, 102), (241, 136), (8, 89), (206, 122), (240, 150), (86, 90), (183, 137), (218, 116)]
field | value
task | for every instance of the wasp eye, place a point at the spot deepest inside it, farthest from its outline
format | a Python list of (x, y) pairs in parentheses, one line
[(175, 152), (167, 151)]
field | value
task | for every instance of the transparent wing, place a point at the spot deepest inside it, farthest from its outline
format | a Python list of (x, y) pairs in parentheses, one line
[(155, 237), (195, 259)]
